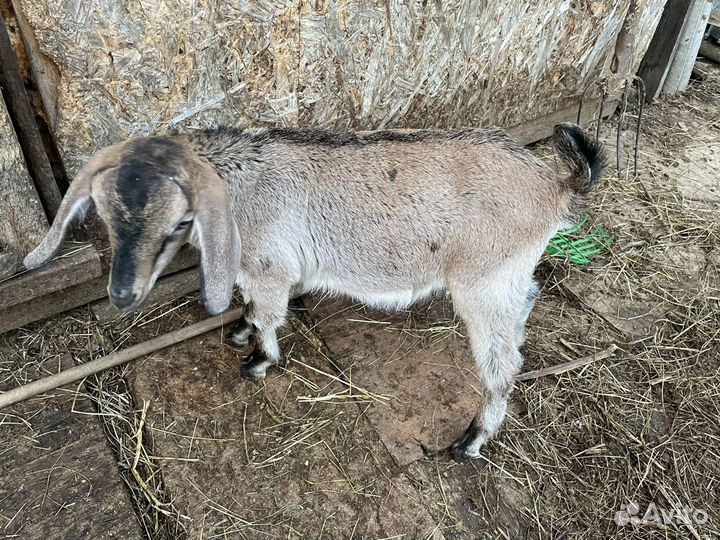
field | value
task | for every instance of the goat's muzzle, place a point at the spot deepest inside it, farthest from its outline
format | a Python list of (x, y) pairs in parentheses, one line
[(123, 298)]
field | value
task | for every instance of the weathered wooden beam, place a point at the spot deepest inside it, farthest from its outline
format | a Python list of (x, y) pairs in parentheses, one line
[(543, 127), (51, 304), (663, 45), (79, 266), (8, 262), (710, 50), (678, 76), (45, 74), (22, 218), (62, 300), (63, 434), (23, 119)]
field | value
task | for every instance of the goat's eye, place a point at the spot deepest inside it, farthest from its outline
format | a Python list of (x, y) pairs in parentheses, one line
[(184, 225)]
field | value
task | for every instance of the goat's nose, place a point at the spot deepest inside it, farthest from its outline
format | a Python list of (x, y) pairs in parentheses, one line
[(122, 296)]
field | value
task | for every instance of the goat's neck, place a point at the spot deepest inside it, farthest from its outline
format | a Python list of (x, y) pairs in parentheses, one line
[(238, 161)]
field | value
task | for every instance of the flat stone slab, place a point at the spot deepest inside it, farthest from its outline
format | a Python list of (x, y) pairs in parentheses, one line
[(419, 358)]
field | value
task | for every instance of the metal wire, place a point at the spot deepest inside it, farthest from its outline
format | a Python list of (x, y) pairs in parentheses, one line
[(632, 82), (600, 113), (596, 82), (639, 86), (641, 95), (618, 148), (582, 99)]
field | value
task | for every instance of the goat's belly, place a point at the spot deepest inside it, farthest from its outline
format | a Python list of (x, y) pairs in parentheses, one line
[(374, 296)]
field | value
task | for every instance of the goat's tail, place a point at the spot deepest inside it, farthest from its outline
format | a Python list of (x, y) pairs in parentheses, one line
[(583, 156)]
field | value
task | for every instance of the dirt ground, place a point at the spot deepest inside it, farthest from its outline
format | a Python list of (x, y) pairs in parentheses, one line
[(349, 439)]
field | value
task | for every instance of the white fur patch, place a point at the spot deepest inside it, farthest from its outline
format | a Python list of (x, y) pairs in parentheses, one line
[(390, 300)]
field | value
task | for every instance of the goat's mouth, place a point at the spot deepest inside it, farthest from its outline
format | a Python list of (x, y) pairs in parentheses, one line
[(126, 300), (134, 286)]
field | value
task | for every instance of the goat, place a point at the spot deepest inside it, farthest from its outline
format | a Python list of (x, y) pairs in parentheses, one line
[(386, 218)]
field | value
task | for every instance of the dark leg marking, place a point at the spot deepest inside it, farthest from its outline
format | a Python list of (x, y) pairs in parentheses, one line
[(533, 293), (461, 448), (256, 365), (240, 334), (258, 361), (297, 304)]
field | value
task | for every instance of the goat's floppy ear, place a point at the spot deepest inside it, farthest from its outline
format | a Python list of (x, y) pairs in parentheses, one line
[(218, 240), (74, 204)]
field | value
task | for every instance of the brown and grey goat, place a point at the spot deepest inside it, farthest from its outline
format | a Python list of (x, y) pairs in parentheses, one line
[(386, 218)]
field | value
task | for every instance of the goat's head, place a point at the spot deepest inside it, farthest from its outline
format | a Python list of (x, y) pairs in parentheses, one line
[(153, 195)]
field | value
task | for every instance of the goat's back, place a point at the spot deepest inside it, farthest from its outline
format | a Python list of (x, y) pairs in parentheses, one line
[(391, 206)]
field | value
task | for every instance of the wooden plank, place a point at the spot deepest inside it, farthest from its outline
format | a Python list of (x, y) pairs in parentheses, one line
[(80, 265), (663, 45), (165, 290), (45, 74), (67, 486), (678, 75), (702, 70), (18, 104), (58, 476), (710, 50), (541, 128), (62, 300), (52, 304), (8, 264), (42, 80)]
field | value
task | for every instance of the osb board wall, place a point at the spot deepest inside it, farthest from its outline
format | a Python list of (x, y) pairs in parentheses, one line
[(130, 67), (22, 219)]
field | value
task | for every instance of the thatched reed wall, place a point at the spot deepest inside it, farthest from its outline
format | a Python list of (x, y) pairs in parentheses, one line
[(144, 66)]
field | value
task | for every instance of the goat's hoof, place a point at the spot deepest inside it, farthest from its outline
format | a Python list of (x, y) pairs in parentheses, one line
[(468, 446), (463, 453), (241, 334), (256, 365), (253, 372)]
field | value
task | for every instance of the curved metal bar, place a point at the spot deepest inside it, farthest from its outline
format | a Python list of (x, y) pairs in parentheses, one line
[(582, 100), (600, 113), (641, 96), (618, 150)]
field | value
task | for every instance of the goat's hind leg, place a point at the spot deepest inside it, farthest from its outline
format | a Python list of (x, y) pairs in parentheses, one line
[(492, 315), (531, 297)]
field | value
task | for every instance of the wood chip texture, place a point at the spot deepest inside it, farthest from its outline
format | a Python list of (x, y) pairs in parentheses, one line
[(136, 68)]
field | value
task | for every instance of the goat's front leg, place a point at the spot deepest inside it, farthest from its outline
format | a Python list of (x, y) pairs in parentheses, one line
[(265, 314), (241, 333)]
